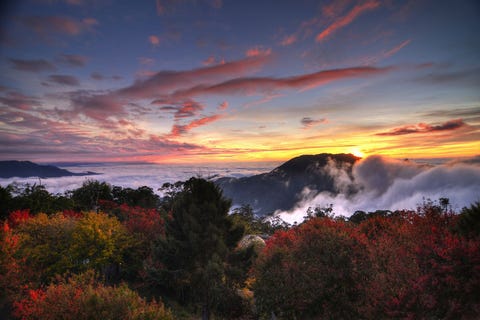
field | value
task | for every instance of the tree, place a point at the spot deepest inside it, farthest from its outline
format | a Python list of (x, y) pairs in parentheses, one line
[(314, 271), (82, 297), (199, 237), (87, 197)]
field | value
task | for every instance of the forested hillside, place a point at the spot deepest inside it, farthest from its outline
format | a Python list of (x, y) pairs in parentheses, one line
[(107, 252)]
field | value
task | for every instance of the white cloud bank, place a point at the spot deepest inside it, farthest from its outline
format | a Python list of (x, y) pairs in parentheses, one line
[(390, 184)]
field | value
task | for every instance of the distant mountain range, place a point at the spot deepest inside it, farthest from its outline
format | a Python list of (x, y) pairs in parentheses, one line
[(25, 169), (281, 188)]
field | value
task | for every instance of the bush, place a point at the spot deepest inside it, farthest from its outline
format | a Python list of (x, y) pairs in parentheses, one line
[(82, 297)]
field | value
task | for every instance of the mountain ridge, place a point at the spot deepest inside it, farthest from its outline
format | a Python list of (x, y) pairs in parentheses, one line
[(26, 169)]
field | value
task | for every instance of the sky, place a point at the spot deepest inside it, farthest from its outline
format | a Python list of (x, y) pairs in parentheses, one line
[(195, 81)]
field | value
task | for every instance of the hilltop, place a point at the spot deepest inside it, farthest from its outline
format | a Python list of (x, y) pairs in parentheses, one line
[(282, 187)]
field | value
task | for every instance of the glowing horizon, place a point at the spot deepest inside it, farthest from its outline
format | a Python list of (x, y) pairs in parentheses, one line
[(235, 81)]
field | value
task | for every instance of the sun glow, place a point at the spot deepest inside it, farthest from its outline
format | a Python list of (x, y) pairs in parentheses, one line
[(357, 152)]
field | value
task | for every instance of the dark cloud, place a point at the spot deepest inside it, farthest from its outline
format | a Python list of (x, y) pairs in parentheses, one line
[(48, 25), (308, 122), (73, 60), (37, 65), (97, 76), (183, 109), (63, 80), (18, 100), (424, 128)]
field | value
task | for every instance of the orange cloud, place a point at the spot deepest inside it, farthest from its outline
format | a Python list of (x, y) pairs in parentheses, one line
[(347, 19)]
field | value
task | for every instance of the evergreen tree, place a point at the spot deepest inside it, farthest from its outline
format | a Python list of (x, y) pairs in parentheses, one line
[(191, 261)]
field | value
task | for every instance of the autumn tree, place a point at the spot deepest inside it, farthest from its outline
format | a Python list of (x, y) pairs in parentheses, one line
[(82, 297), (315, 270)]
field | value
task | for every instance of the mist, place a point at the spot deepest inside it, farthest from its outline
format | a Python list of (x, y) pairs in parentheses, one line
[(383, 183)]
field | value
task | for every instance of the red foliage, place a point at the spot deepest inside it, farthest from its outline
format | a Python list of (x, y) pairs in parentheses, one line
[(18, 217), (72, 214)]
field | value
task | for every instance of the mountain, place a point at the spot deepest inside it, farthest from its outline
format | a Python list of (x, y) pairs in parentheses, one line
[(282, 187), (24, 169)]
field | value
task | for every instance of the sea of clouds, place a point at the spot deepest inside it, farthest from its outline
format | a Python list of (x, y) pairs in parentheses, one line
[(388, 184), (144, 174)]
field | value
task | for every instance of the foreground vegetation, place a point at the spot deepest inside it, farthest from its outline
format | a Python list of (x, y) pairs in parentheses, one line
[(103, 252)]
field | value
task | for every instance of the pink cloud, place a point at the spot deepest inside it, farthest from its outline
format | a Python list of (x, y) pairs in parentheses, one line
[(424, 128), (162, 82), (179, 130), (18, 100), (258, 51), (255, 85), (347, 19), (335, 8), (392, 51), (223, 105), (154, 40), (289, 40)]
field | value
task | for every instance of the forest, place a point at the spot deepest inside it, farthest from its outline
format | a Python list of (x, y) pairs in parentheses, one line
[(107, 252)]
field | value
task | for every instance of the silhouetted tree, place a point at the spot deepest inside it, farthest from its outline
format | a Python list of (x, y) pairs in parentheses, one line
[(87, 197)]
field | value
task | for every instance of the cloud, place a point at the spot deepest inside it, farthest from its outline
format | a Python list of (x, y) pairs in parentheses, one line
[(424, 128), (73, 60), (97, 76), (223, 105), (394, 50), (211, 60), (47, 25), (255, 85), (308, 122), (154, 40), (258, 51), (387, 184), (179, 130), (163, 82), (288, 40), (347, 19), (97, 107), (183, 109), (18, 100), (62, 79), (38, 65)]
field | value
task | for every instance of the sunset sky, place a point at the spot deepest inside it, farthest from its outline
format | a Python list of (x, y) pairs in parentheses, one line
[(234, 80)]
